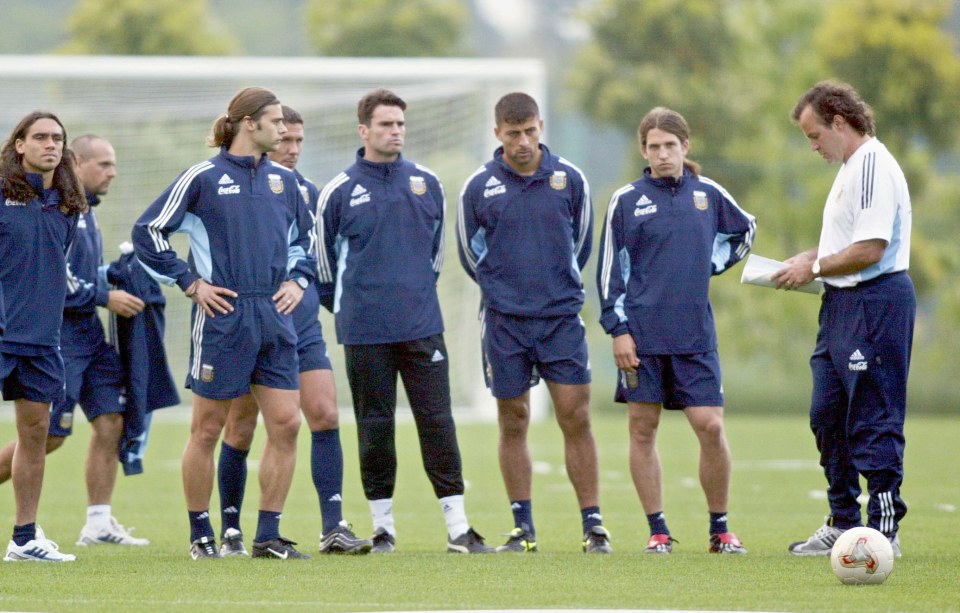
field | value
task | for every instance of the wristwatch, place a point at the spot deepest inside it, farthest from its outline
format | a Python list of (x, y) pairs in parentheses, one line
[(816, 268), (302, 282)]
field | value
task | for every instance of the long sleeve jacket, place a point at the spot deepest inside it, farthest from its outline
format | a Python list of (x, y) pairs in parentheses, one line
[(249, 227), (381, 249), (663, 238), (526, 239)]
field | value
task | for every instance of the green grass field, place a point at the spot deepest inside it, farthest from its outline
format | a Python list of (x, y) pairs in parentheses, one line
[(776, 498)]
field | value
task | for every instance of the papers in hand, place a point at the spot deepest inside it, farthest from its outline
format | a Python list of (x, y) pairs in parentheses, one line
[(757, 271)]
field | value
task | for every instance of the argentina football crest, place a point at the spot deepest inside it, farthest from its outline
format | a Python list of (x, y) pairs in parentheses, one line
[(276, 184), (558, 180), (418, 186), (700, 200)]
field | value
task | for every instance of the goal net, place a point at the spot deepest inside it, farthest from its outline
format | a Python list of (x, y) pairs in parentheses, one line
[(158, 111)]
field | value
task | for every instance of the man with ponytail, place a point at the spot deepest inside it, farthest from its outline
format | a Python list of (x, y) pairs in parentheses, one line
[(41, 197), (250, 261), (664, 236)]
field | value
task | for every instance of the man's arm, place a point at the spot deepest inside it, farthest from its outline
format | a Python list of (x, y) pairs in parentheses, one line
[(328, 226), (610, 271), (471, 245), (582, 220), (853, 259), (736, 229)]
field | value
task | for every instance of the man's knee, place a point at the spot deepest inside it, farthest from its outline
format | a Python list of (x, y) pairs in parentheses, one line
[(283, 425), (239, 430), (54, 442), (108, 427), (514, 417)]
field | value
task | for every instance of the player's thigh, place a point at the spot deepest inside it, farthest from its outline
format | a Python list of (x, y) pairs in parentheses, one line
[(62, 410), (508, 359), (280, 409), (372, 375), (102, 391), (277, 364), (224, 352), (424, 370), (694, 380), (241, 423)]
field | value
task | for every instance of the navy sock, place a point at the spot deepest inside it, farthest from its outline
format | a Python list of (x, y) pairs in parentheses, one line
[(523, 515), (326, 464), (200, 525), (718, 523), (24, 534), (658, 524), (591, 517), (232, 479), (268, 526)]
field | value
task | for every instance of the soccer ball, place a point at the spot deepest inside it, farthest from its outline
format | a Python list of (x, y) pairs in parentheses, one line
[(862, 556)]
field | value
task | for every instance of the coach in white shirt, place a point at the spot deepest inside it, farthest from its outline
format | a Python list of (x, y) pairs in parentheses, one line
[(862, 356)]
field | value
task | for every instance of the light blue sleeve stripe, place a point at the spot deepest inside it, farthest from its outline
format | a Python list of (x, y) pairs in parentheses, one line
[(199, 245)]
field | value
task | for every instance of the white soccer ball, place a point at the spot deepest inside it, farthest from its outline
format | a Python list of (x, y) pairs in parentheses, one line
[(862, 556)]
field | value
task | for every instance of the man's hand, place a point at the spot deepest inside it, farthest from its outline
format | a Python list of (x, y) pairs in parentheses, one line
[(798, 271), (123, 303), (288, 297), (210, 297), (625, 353)]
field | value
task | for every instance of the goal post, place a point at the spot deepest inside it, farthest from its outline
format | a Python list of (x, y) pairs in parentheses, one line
[(157, 113)]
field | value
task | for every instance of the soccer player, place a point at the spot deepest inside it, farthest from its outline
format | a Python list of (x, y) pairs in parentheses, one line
[(381, 247), (41, 200), (250, 234), (524, 232), (318, 401), (94, 375), (665, 235), (862, 356)]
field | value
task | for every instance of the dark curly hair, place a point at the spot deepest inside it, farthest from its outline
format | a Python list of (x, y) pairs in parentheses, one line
[(13, 177), (831, 98)]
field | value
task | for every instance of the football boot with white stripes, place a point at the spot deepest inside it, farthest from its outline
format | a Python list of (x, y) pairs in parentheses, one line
[(469, 542), (40, 549), (205, 548), (342, 540), (820, 544), (114, 534)]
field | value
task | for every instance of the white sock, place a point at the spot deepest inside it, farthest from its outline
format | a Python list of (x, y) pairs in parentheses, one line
[(455, 515), (382, 511), (98, 516)]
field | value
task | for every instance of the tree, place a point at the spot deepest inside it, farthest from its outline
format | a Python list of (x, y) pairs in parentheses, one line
[(387, 28), (900, 60), (145, 27)]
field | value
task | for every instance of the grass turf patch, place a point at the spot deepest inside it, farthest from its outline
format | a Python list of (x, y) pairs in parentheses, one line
[(777, 496)]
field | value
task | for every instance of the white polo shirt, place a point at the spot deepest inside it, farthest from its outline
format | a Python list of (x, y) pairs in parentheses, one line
[(869, 200)]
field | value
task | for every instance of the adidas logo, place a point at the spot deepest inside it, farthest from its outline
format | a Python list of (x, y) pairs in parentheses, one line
[(357, 191), (231, 509), (437, 356), (515, 505), (595, 516), (644, 200), (856, 355), (204, 515), (225, 180), (492, 182), (335, 498)]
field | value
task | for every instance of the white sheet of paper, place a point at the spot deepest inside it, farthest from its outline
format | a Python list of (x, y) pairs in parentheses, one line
[(757, 270)]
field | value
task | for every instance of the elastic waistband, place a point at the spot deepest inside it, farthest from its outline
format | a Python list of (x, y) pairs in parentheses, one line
[(864, 284), (263, 293)]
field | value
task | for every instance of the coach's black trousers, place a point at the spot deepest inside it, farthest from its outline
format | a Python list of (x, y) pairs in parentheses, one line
[(422, 365)]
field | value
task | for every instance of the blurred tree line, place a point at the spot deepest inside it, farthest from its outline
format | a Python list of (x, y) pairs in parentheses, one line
[(734, 69)]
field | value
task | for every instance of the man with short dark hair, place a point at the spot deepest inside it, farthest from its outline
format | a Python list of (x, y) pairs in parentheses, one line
[(41, 198), (381, 248), (524, 228), (318, 402), (862, 358), (94, 374)]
